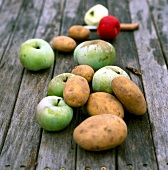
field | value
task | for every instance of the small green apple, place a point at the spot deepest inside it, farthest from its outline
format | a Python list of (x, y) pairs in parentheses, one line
[(56, 85), (36, 54), (53, 114), (95, 53), (103, 77)]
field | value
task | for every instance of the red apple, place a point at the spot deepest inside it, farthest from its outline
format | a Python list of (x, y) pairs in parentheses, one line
[(108, 27)]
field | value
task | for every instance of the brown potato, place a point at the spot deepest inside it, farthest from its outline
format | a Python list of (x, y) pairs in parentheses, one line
[(100, 132), (129, 95), (104, 103), (78, 32), (76, 91), (63, 43), (85, 71)]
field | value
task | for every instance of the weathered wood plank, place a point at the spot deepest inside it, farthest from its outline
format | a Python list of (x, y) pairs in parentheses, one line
[(19, 148), (137, 152), (155, 78), (104, 160), (1, 3), (159, 10), (9, 13), (57, 150), (140, 49)]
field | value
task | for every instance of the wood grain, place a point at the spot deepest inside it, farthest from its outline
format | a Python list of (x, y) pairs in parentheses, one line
[(133, 152), (11, 11), (23, 144), (57, 150), (159, 11), (155, 78), (20, 145)]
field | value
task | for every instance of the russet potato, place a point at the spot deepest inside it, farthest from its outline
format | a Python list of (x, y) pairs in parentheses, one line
[(78, 32), (100, 132), (102, 102), (76, 91), (85, 71), (63, 43), (129, 95)]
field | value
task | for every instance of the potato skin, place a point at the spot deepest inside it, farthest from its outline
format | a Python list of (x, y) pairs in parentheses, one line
[(63, 43), (76, 91), (129, 95), (102, 102), (100, 132), (79, 32), (85, 71)]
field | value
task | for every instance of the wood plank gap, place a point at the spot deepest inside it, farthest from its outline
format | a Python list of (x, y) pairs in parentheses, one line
[(155, 78), (159, 10), (13, 30), (143, 90), (62, 15), (59, 33), (131, 153), (21, 10), (7, 127), (1, 4), (157, 33), (19, 83), (116, 158), (43, 3), (27, 33)]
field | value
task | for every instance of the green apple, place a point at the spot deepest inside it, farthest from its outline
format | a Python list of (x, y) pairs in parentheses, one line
[(95, 14), (95, 53), (36, 54), (56, 85), (53, 114), (103, 77)]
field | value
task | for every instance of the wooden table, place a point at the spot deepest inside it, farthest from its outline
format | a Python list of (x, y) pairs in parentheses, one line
[(23, 144)]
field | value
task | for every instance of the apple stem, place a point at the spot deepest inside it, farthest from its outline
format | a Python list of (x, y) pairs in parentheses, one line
[(37, 47), (56, 103), (65, 80), (92, 13)]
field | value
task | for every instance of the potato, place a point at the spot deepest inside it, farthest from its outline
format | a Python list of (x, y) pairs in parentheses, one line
[(76, 91), (129, 95), (100, 132), (78, 32), (85, 71), (101, 102), (63, 43)]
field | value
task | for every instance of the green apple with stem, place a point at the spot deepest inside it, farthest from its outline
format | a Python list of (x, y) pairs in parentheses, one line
[(53, 114), (36, 54), (56, 85), (103, 77)]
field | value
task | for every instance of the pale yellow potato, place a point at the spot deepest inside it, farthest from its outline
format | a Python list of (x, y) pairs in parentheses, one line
[(63, 43), (104, 103), (100, 132), (129, 95), (85, 71), (79, 32), (76, 91)]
